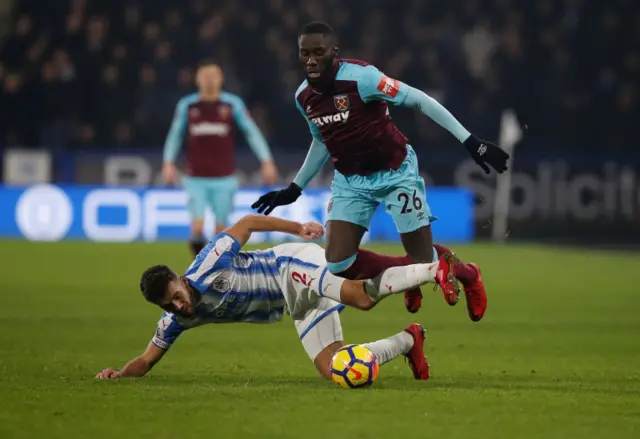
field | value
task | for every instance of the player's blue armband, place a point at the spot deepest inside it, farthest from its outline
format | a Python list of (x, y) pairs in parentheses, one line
[(313, 163), (175, 137), (245, 122), (424, 103)]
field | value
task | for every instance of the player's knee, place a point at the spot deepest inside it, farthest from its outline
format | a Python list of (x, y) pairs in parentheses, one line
[(324, 370), (323, 365), (337, 267), (360, 299), (323, 359), (366, 303)]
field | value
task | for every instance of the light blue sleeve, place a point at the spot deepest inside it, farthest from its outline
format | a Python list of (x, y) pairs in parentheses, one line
[(315, 132), (174, 139), (316, 157), (245, 122), (167, 331), (418, 100), (313, 163), (373, 85)]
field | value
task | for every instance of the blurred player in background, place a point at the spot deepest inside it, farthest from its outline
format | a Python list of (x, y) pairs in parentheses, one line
[(227, 285), (345, 104), (209, 119)]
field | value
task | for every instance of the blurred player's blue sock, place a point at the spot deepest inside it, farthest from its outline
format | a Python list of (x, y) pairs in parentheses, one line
[(197, 243)]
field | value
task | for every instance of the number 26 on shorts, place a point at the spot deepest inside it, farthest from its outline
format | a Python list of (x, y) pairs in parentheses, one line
[(408, 201)]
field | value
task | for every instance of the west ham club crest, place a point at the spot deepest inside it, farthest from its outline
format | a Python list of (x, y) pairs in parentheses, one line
[(341, 102)]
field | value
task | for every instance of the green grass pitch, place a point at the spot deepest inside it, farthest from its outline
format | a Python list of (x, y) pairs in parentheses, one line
[(557, 355)]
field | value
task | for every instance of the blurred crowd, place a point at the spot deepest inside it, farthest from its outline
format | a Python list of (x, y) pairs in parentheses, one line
[(107, 73)]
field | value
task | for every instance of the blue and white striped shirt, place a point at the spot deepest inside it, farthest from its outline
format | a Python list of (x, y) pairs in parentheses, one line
[(234, 287)]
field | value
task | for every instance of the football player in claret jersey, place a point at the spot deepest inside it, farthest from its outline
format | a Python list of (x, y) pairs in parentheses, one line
[(345, 102), (227, 285), (207, 121)]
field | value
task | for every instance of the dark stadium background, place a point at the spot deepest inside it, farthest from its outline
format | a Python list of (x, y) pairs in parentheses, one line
[(88, 79), (88, 88)]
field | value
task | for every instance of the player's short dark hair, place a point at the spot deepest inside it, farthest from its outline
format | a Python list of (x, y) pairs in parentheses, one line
[(207, 62), (318, 27), (154, 281)]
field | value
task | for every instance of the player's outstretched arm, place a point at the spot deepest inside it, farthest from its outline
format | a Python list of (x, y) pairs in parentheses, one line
[(313, 163), (484, 153), (173, 142), (138, 367), (374, 85), (255, 139), (242, 230)]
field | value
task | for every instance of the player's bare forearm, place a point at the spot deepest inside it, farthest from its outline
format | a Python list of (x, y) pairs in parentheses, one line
[(138, 367), (249, 224)]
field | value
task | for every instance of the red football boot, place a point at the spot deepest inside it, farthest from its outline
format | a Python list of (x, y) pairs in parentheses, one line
[(413, 300), (476, 297), (446, 278), (416, 358)]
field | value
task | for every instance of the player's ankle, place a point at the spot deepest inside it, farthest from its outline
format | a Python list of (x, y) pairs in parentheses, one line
[(466, 274)]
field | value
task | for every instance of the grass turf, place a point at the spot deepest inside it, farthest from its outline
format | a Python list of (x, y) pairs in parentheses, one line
[(557, 355)]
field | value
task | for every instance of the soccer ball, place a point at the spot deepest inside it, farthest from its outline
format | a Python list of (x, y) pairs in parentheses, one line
[(354, 366)]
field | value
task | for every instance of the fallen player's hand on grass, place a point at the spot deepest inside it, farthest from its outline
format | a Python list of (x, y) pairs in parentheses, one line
[(311, 231), (108, 373)]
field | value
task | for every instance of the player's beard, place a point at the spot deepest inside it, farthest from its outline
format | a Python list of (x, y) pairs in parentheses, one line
[(194, 298), (324, 81)]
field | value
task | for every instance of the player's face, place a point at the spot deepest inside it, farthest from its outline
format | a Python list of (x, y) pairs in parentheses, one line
[(317, 54), (180, 299), (209, 79)]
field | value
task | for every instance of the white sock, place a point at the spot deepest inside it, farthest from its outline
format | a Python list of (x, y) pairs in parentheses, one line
[(399, 279), (389, 348)]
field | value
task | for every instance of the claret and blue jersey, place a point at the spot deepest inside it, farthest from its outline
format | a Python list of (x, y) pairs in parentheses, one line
[(208, 128), (353, 121), (375, 165)]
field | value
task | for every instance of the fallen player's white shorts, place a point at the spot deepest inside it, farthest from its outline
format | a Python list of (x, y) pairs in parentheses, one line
[(305, 282), (320, 327)]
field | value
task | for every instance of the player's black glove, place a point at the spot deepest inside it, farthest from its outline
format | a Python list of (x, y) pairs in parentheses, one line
[(273, 199), (486, 153)]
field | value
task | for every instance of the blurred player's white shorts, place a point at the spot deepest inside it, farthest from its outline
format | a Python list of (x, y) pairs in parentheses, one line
[(305, 281)]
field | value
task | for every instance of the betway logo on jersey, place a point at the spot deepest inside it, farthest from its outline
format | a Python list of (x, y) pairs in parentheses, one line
[(209, 129), (331, 118)]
